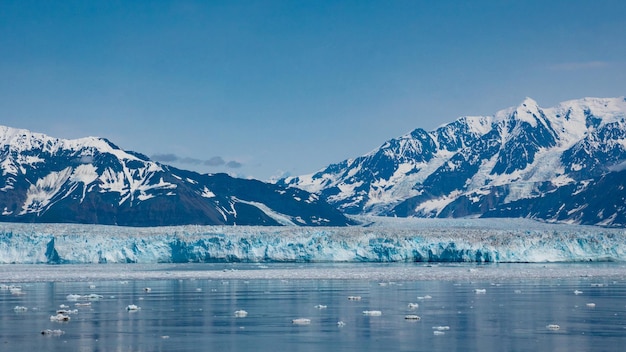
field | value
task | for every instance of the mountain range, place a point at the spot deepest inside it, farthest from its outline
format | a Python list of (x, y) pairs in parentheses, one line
[(561, 164), (92, 181)]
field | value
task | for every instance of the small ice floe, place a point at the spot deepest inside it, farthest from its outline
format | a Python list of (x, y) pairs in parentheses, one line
[(578, 292), (93, 297), (60, 317), (16, 290), (92, 286), (412, 317), (165, 337), (372, 313), (86, 304), (72, 297), (598, 285), (421, 298), (50, 332), (147, 289), (20, 309), (341, 324), (438, 333), (132, 308), (553, 327), (441, 328), (301, 321), (198, 289), (67, 311), (63, 306), (413, 306), (480, 291), (354, 298), (321, 306), (591, 305), (241, 313)]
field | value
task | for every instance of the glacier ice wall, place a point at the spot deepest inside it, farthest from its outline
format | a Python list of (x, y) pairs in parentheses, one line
[(424, 240)]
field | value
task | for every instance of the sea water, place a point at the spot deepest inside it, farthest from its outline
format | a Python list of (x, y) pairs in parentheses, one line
[(314, 307)]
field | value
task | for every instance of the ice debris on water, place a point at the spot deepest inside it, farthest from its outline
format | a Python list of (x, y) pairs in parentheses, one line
[(341, 324), (132, 308), (60, 318), (354, 298), (301, 321), (412, 317), (578, 292), (480, 291), (553, 327), (413, 306), (441, 328), (591, 305), (438, 333), (241, 313), (51, 332), (20, 309), (372, 313), (321, 306)]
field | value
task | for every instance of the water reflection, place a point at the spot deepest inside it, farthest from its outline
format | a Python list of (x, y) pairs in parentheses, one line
[(190, 315)]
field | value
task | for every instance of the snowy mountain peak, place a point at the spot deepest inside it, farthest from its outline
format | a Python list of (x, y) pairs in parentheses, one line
[(473, 165)]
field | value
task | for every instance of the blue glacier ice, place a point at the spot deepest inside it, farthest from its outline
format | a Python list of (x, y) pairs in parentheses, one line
[(382, 240)]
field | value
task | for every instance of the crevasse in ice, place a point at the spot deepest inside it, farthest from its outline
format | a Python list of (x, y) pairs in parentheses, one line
[(421, 240)]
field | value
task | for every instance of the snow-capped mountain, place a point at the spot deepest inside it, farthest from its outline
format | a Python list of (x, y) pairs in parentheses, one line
[(92, 181), (563, 163)]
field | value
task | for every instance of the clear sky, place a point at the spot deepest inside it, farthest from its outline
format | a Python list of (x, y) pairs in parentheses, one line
[(267, 88)]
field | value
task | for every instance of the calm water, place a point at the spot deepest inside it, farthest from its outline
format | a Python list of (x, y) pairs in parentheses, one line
[(199, 314)]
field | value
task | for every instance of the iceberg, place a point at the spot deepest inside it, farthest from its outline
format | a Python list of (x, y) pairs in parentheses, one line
[(381, 240)]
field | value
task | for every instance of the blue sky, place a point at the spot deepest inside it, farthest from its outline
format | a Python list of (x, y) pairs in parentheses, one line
[(265, 88)]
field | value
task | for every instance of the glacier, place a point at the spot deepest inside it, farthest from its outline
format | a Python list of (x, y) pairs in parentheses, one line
[(379, 240)]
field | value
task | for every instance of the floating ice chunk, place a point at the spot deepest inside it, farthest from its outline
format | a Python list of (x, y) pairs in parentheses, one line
[(132, 308), (72, 297), (578, 292), (86, 304), (60, 317), (341, 324), (147, 289), (480, 291), (553, 327), (92, 286), (372, 313), (412, 317), (438, 333), (591, 305), (50, 332), (20, 309), (413, 306), (93, 297), (63, 306), (354, 298), (441, 328), (16, 290), (421, 298), (301, 321), (321, 306), (241, 313), (198, 289), (67, 311), (598, 285)]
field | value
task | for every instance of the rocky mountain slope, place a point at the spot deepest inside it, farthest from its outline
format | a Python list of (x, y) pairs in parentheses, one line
[(92, 181)]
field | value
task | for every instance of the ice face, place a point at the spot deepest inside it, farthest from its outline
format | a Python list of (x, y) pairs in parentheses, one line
[(426, 240)]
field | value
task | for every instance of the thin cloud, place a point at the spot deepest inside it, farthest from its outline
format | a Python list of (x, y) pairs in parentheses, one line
[(576, 66), (233, 164), (213, 161)]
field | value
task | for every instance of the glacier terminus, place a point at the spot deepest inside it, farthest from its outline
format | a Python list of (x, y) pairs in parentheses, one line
[(381, 240)]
